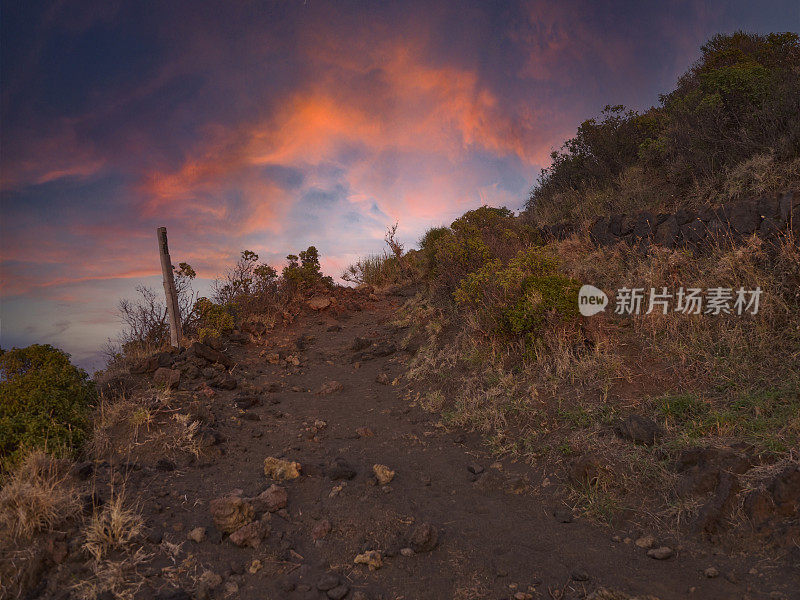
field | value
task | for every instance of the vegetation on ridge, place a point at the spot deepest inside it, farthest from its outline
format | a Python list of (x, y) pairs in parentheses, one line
[(728, 129)]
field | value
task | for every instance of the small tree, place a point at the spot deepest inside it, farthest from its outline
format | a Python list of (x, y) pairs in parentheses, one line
[(303, 272)]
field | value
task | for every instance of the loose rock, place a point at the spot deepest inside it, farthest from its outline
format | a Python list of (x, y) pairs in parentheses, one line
[(340, 469), (638, 429), (321, 529), (318, 302), (330, 387), (339, 592), (250, 535), (168, 378), (424, 538), (281, 470), (272, 499), (661, 553), (198, 534), (230, 513)]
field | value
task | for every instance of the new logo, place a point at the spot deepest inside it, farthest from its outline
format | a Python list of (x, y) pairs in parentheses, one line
[(591, 300)]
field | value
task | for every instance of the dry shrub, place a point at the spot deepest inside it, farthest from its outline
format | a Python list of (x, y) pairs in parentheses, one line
[(36, 497)]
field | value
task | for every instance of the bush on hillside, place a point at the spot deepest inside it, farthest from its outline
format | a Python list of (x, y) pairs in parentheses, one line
[(247, 282), (45, 402), (377, 270), (388, 268), (520, 298), (471, 241)]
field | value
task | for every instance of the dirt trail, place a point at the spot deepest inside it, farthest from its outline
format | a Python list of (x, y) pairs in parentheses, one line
[(495, 537)]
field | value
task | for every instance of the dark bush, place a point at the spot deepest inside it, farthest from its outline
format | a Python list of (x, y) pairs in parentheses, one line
[(596, 156)]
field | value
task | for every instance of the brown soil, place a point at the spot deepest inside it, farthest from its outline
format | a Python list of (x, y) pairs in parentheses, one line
[(498, 535)]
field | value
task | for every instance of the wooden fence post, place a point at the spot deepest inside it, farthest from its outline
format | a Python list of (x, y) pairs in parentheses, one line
[(169, 288)]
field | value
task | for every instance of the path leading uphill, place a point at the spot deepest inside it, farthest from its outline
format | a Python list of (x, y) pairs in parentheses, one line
[(451, 523)]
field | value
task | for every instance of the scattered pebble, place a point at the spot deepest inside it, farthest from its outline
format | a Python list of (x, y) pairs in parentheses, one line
[(383, 474), (711, 572), (646, 541), (279, 469), (254, 567), (424, 538), (371, 558), (198, 534)]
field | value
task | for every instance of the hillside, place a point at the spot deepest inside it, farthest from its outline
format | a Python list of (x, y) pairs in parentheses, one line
[(177, 504)]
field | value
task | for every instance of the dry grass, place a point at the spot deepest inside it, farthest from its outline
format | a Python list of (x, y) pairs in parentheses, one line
[(36, 497), (708, 380), (120, 578), (114, 527), (149, 425)]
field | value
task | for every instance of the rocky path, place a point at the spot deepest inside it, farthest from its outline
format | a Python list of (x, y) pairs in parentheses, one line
[(451, 523)]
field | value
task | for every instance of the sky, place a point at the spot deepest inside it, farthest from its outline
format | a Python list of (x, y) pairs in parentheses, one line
[(271, 126)]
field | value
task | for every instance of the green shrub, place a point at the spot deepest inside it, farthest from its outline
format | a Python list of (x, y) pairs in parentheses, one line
[(519, 298), (45, 402), (213, 320), (427, 245)]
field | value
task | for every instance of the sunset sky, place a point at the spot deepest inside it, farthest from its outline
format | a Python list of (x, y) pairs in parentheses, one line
[(275, 125)]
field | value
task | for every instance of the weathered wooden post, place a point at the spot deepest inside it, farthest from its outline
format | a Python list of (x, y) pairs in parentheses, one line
[(169, 288)]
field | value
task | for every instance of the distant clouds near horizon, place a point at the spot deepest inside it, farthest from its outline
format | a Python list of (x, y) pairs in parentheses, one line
[(276, 125)]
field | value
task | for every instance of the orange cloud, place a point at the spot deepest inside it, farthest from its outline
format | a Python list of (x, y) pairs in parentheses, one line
[(406, 106)]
